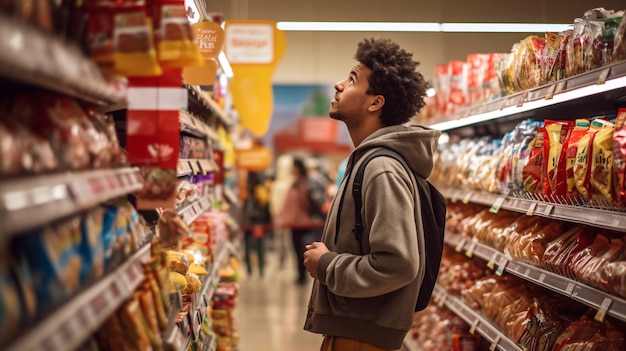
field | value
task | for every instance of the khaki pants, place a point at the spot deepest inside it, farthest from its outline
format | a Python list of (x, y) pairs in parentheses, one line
[(338, 343)]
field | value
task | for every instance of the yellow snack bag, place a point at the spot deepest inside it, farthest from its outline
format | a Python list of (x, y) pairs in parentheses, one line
[(197, 269), (174, 38), (134, 44), (602, 166)]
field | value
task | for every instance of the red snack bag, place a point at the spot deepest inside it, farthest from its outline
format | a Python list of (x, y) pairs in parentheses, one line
[(459, 74), (581, 126), (54, 117), (532, 173), (478, 64), (619, 157), (554, 165)]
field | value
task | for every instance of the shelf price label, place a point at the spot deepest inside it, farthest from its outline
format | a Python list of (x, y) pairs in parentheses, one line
[(459, 246), (604, 307), (550, 92), (522, 99), (470, 250), (467, 197), (502, 266), (548, 210), (603, 76), (560, 86), (531, 209), (570, 288), (494, 344), (492, 261), (472, 329), (495, 208)]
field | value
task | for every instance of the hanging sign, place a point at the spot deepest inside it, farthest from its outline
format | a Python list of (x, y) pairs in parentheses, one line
[(253, 49)]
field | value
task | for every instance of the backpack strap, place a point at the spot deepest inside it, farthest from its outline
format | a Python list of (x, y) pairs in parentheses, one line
[(358, 184)]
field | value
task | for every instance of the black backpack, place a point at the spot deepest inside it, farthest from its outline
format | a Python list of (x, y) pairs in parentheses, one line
[(317, 198), (433, 206)]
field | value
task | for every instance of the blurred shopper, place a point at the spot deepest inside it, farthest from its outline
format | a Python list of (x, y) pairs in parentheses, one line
[(283, 179), (297, 215), (256, 221)]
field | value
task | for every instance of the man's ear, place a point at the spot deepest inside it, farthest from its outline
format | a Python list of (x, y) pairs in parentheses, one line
[(377, 103)]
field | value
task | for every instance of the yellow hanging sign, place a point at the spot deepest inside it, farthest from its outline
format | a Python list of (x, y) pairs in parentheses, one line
[(253, 49)]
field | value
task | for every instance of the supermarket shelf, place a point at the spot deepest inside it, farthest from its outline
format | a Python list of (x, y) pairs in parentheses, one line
[(607, 219), (191, 212), (604, 303), (176, 339), (30, 202), (596, 83), (34, 57), (75, 322), (187, 167), (193, 126), (209, 104), (478, 322)]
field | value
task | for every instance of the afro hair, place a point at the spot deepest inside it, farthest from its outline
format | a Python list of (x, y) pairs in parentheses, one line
[(395, 77)]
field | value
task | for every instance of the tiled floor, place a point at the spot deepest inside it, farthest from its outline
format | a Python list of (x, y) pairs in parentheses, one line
[(271, 309)]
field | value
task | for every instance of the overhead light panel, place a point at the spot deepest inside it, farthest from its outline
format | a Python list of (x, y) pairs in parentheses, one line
[(422, 27)]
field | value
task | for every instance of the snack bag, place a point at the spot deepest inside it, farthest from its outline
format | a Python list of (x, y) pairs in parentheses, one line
[(459, 75), (619, 158), (133, 42), (174, 37), (619, 42), (553, 56), (557, 133), (441, 83), (91, 246), (528, 62), (478, 64), (582, 170), (521, 151), (581, 126), (602, 166), (574, 63), (532, 173), (55, 262)]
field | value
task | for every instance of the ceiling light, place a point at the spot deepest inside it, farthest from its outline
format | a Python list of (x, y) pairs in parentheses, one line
[(422, 27)]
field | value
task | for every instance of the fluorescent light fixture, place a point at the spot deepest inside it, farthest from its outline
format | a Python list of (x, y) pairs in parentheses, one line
[(422, 27), (503, 27), (228, 71), (360, 26)]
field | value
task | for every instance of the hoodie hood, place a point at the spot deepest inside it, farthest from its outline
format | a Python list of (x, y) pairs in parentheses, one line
[(416, 144)]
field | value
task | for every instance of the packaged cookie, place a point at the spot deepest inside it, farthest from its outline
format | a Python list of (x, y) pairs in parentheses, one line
[(602, 166)]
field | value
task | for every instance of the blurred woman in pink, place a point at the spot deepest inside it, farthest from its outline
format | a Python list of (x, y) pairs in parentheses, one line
[(296, 215)]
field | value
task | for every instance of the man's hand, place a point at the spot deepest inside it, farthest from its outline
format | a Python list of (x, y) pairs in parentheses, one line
[(312, 256)]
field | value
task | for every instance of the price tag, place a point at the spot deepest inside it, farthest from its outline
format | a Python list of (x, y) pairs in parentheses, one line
[(548, 210), (470, 250), (495, 208), (527, 272), (81, 191), (112, 182), (550, 93), (560, 86), (522, 99), (502, 266), (542, 277), (570, 288), (504, 103), (531, 209), (494, 344), (459, 246), (99, 303), (603, 76), (472, 329), (467, 197), (442, 300), (133, 275), (492, 261), (97, 185), (603, 309), (115, 291)]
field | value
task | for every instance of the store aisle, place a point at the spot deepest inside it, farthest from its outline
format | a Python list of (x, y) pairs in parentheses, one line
[(271, 309)]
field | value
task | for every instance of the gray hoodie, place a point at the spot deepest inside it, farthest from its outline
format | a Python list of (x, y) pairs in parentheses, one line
[(371, 296)]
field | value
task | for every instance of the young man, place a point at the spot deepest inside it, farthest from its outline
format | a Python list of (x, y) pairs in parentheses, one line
[(364, 293)]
